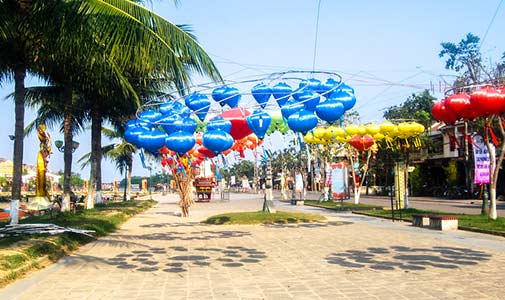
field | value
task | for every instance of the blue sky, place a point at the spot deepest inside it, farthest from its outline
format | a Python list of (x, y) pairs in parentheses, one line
[(386, 50)]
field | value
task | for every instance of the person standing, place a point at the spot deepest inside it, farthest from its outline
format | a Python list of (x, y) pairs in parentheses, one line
[(299, 186)]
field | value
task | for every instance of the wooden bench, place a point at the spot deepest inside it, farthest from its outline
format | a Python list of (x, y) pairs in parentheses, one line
[(443, 222), (420, 220), (297, 202)]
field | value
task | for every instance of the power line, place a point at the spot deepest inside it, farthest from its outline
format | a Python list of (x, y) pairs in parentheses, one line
[(491, 23), (315, 39)]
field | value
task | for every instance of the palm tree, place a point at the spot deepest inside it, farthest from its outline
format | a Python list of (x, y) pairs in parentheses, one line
[(141, 40)]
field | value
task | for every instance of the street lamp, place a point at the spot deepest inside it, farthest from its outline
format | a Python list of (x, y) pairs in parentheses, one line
[(61, 147)]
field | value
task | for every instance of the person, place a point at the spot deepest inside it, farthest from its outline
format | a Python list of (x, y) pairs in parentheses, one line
[(245, 184), (299, 186)]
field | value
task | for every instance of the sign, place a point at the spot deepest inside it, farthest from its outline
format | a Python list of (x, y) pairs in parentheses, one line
[(482, 160), (338, 180)]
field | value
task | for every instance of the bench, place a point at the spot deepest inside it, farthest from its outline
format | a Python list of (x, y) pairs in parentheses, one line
[(420, 220), (442, 222), (297, 202)]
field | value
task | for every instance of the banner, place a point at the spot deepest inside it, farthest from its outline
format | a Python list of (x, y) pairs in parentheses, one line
[(482, 161), (338, 180)]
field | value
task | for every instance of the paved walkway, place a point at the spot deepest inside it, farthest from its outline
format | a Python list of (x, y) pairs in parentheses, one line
[(158, 255)]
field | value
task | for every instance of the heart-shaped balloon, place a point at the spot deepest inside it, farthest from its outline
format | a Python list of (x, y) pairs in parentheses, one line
[(345, 88), (150, 116), (281, 92), (202, 152), (259, 122), (237, 116), (328, 87), (218, 95), (152, 140), (170, 123), (132, 134), (311, 84), (347, 99), (261, 93), (219, 123), (137, 123), (174, 107), (302, 121), (291, 107), (330, 110), (217, 141), (199, 103), (309, 99), (232, 96), (361, 143), (180, 142)]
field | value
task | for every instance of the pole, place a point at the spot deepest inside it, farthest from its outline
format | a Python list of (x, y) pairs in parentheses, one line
[(150, 182), (125, 181), (268, 205)]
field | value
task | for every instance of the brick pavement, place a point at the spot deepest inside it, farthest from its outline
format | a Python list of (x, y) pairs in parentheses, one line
[(158, 255)]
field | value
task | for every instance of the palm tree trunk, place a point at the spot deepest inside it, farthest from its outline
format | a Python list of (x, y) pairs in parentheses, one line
[(129, 179), (68, 146), (94, 190), (19, 108)]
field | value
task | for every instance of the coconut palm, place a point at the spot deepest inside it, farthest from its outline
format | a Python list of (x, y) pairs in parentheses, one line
[(140, 39)]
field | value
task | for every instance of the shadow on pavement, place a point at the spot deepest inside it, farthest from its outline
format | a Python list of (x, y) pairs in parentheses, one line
[(185, 236), (178, 259), (308, 225), (406, 258)]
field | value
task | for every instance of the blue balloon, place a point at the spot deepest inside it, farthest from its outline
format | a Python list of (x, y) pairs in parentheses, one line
[(281, 92), (232, 96), (152, 140), (311, 84), (345, 88), (150, 116), (188, 125), (137, 123), (302, 121), (199, 103), (217, 95), (290, 108), (180, 142), (219, 123), (330, 110), (309, 99), (261, 93), (217, 141), (328, 87), (259, 122), (131, 135), (347, 99), (169, 123)]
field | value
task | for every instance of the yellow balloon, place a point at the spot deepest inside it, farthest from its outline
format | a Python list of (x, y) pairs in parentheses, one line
[(351, 129), (309, 138), (361, 130), (378, 136), (387, 127), (319, 132), (372, 129)]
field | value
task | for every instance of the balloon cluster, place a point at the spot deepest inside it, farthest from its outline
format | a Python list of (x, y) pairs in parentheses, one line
[(363, 137), (301, 108), (482, 102)]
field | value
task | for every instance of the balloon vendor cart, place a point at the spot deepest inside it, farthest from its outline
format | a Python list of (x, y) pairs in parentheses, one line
[(204, 186)]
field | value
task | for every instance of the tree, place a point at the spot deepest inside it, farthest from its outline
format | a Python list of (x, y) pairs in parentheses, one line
[(466, 58), (417, 107)]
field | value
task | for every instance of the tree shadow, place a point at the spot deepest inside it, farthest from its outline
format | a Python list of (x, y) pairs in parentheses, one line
[(308, 225), (177, 259), (407, 258), (186, 236)]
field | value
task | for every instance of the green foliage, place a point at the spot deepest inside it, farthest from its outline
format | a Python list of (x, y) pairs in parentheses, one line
[(261, 217), (451, 173), (3, 181), (75, 180), (151, 181), (416, 181), (342, 205), (242, 168), (417, 107)]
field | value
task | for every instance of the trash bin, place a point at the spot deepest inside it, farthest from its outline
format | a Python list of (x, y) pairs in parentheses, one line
[(225, 195)]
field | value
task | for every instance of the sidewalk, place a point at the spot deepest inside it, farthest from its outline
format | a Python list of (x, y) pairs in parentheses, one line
[(157, 255)]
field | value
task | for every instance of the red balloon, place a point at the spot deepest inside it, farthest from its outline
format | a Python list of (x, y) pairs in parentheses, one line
[(459, 106), (361, 143), (487, 101), (441, 113), (203, 152), (237, 116)]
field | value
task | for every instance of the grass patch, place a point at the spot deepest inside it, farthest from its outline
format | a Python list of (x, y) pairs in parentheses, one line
[(20, 254), (260, 217), (475, 221), (337, 205)]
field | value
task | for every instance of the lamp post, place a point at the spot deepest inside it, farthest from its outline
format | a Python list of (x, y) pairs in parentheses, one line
[(61, 147), (67, 173)]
